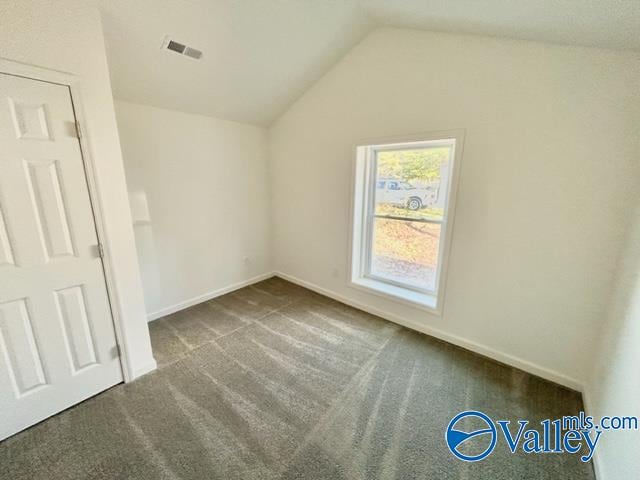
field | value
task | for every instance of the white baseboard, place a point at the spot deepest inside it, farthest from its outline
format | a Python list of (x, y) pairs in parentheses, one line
[(143, 370), (206, 296), (511, 360), (501, 357)]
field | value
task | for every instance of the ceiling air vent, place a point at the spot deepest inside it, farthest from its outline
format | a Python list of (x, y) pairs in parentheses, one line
[(180, 48), (192, 52)]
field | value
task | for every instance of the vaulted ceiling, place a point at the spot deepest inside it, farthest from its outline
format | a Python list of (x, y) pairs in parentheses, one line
[(260, 55)]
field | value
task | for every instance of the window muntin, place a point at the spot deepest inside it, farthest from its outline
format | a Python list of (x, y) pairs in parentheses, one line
[(403, 211)]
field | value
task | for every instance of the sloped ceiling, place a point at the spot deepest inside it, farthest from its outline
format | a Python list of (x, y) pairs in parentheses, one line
[(260, 55)]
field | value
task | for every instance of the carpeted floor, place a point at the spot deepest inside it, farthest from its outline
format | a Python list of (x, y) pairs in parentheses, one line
[(276, 382)]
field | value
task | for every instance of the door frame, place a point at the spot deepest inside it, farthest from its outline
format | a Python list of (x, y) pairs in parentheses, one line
[(73, 82)]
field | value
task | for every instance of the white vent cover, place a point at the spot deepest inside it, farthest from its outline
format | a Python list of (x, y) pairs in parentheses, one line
[(182, 49)]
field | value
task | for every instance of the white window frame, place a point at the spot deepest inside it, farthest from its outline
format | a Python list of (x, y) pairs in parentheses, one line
[(363, 214)]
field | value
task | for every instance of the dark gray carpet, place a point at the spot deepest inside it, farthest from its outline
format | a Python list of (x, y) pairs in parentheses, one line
[(276, 382)]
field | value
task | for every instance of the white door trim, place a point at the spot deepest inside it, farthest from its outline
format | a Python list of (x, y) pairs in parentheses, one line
[(74, 83)]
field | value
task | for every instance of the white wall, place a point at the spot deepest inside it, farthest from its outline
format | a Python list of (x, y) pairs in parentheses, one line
[(206, 185), (614, 387), (550, 160), (66, 35)]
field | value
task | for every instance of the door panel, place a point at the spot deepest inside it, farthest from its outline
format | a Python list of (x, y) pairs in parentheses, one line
[(19, 347), (57, 340), (48, 207), (76, 327), (6, 252)]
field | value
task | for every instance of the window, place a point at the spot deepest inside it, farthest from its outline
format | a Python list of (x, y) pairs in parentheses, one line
[(403, 211)]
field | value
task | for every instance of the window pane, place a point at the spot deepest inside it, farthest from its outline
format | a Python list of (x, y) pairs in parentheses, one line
[(412, 183), (405, 252)]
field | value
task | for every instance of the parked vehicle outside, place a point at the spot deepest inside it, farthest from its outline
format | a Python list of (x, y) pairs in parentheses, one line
[(401, 193)]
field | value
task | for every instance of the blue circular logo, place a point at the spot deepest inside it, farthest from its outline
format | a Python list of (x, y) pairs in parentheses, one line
[(456, 438)]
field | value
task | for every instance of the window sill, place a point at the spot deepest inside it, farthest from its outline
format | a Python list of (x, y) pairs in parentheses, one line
[(412, 298)]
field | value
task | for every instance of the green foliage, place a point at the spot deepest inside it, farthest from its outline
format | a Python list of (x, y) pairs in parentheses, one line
[(422, 165)]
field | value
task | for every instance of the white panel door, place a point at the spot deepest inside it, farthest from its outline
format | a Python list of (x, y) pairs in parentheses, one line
[(57, 340)]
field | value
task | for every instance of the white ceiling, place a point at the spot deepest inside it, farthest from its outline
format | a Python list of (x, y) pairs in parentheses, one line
[(260, 55)]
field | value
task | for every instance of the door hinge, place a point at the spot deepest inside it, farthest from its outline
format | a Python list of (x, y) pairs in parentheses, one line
[(98, 251), (78, 129), (116, 351)]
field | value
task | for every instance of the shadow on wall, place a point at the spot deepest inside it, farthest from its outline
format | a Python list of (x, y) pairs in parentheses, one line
[(146, 247)]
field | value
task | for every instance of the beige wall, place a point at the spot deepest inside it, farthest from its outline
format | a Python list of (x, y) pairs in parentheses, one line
[(205, 181), (550, 161), (66, 35)]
